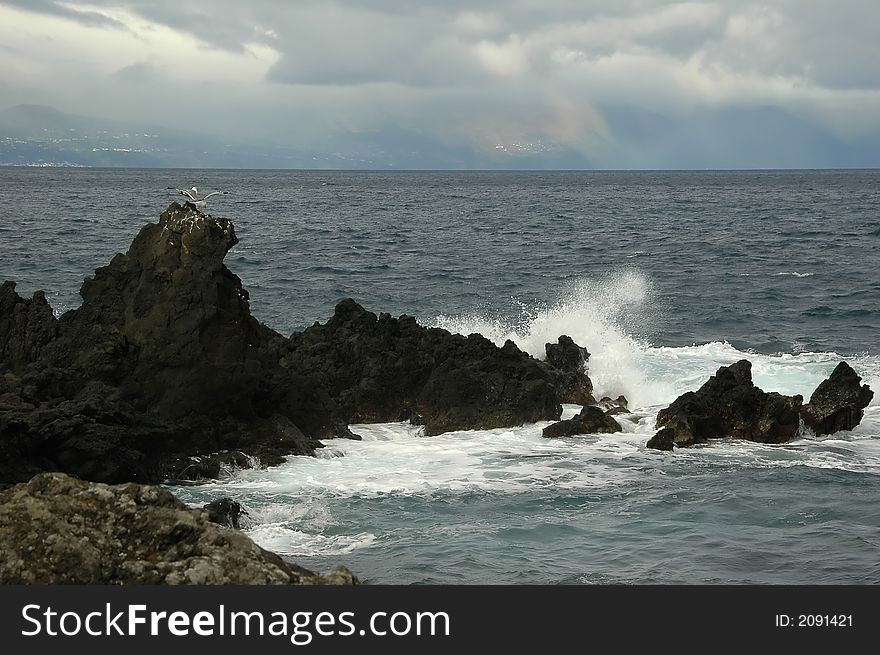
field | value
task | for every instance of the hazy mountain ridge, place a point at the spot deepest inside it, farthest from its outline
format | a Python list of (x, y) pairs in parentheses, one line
[(745, 137)]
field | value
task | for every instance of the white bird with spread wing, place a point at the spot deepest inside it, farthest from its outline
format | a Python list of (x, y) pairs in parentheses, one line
[(193, 196)]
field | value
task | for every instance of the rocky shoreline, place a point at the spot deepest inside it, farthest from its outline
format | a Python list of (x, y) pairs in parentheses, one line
[(163, 366), (163, 374), (56, 529)]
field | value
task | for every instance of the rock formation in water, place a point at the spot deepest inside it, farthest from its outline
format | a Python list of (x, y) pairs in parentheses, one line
[(730, 405), (162, 372), (226, 512), (162, 360), (56, 529), (379, 368), (838, 403), (590, 420), (570, 360)]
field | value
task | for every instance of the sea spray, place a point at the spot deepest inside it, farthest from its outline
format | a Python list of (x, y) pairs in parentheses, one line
[(601, 314)]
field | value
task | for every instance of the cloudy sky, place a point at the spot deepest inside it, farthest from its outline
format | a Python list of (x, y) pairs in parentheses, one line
[(631, 83)]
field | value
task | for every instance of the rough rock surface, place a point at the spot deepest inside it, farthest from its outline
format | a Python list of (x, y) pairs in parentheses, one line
[(162, 371), (25, 326), (163, 359), (590, 420), (379, 368), (729, 405), (838, 403), (664, 439), (226, 512), (570, 360), (59, 530)]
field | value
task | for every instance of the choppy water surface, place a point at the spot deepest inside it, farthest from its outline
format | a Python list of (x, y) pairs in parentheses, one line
[(663, 276)]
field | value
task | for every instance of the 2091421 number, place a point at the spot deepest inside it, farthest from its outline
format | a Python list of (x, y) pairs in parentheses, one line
[(824, 620)]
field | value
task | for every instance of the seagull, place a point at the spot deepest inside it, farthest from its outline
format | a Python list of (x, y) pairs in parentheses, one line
[(192, 195)]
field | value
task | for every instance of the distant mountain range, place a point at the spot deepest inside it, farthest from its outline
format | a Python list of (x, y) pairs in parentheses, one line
[(38, 135), (762, 137)]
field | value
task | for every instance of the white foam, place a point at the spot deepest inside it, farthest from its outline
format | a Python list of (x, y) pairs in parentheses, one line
[(292, 506), (593, 313), (597, 314), (285, 540)]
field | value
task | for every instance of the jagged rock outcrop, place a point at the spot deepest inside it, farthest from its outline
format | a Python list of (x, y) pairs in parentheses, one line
[(838, 403), (590, 420), (26, 326), (379, 368), (163, 360), (163, 372), (56, 529), (570, 361), (728, 405)]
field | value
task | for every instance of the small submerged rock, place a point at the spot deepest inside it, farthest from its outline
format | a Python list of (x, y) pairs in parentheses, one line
[(226, 512), (205, 467), (619, 405), (590, 420), (56, 529)]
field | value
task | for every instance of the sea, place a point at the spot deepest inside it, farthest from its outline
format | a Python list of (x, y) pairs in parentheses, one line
[(663, 276)]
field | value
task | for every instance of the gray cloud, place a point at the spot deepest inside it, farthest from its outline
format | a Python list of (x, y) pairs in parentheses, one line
[(584, 75), (54, 8)]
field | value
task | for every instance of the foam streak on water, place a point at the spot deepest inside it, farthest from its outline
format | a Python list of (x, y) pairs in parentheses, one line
[(508, 505)]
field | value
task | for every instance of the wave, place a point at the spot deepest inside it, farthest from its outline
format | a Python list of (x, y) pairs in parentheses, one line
[(289, 541), (600, 314), (593, 313)]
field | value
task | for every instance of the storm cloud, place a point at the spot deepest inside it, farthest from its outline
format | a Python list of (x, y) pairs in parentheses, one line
[(638, 83)]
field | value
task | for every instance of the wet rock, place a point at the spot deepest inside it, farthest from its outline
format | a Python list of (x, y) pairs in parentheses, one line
[(590, 420), (569, 360), (205, 467), (226, 512), (619, 405), (380, 368), (663, 440), (729, 405), (838, 403), (89, 533)]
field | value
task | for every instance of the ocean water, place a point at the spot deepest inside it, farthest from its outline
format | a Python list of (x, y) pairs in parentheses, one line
[(663, 276)]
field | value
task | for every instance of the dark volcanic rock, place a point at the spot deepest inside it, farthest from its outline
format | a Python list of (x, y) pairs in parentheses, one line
[(663, 440), (570, 360), (59, 530), (838, 402), (163, 360), (729, 405), (25, 326), (90, 433), (226, 512), (163, 364), (590, 420), (202, 467), (620, 405), (379, 368)]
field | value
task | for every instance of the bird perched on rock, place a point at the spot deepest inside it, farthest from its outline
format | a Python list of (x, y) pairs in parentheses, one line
[(192, 195)]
